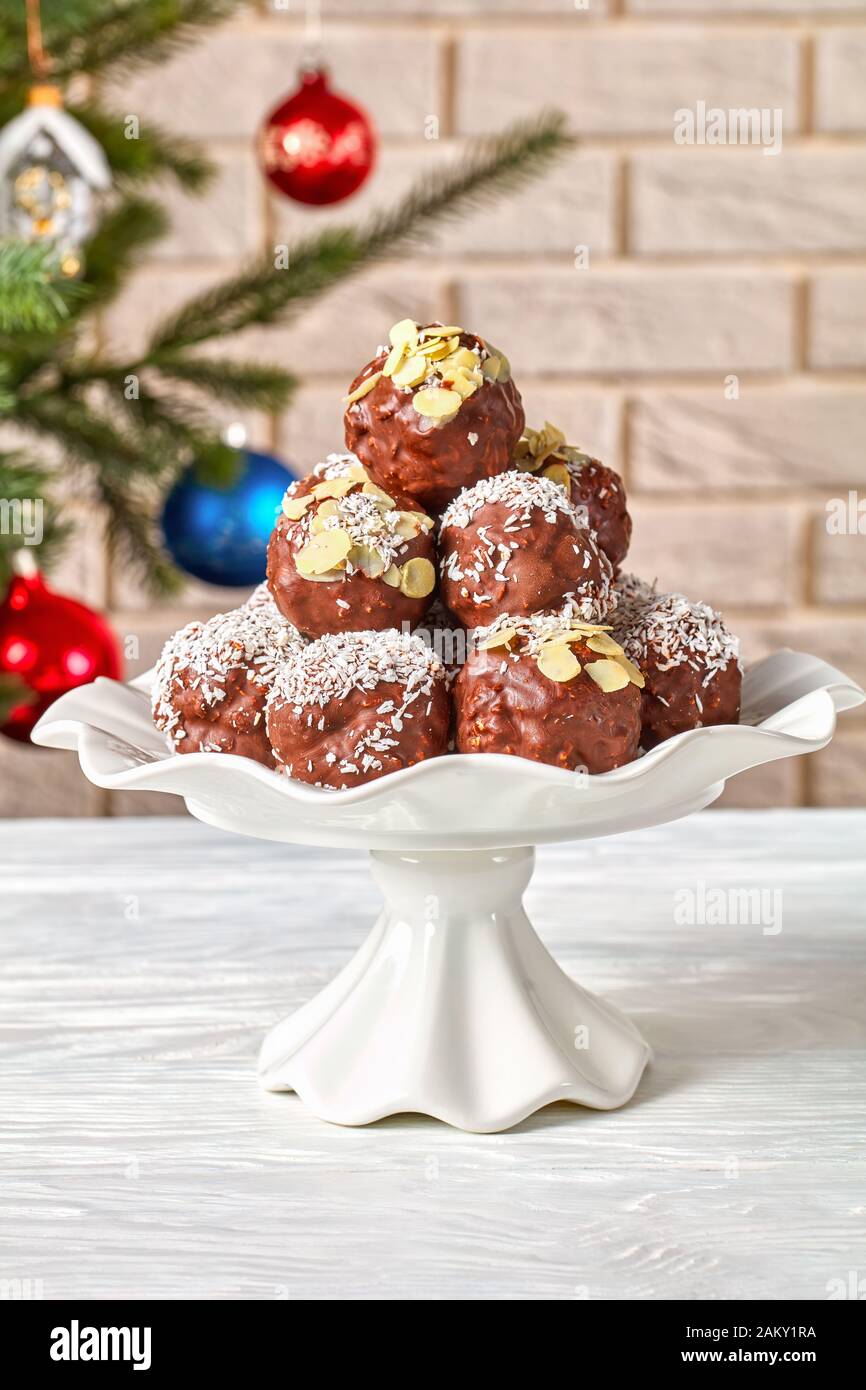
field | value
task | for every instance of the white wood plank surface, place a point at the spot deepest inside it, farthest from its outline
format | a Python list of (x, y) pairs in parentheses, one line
[(141, 961)]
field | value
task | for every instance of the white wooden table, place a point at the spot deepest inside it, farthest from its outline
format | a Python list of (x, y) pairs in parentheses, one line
[(141, 961)]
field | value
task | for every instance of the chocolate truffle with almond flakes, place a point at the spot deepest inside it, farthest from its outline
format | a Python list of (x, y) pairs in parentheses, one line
[(515, 544), (345, 555), (689, 658), (550, 689), (434, 412), (589, 483), (358, 705)]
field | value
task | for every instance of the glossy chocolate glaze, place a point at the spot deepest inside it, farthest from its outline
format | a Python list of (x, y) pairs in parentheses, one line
[(548, 560), (505, 704), (233, 725), (432, 462), (600, 490), (304, 747), (670, 699)]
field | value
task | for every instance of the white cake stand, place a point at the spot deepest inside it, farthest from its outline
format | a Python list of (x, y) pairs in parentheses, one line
[(453, 1007)]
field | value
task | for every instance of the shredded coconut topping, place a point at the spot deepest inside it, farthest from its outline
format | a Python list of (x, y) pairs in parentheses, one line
[(334, 665), (362, 516), (524, 492), (255, 636), (673, 629), (336, 466)]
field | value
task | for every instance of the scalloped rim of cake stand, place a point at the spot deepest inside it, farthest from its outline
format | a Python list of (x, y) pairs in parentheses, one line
[(469, 801)]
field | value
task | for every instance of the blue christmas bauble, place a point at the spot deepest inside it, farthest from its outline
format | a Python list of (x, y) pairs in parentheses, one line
[(219, 534)]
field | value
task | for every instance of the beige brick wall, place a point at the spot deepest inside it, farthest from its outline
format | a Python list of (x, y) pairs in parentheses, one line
[(703, 262)]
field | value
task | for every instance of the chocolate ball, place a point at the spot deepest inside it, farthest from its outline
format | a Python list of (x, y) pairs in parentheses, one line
[(356, 706), (434, 412), (551, 690), (589, 483), (213, 678), (515, 544), (689, 658), (345, 556)]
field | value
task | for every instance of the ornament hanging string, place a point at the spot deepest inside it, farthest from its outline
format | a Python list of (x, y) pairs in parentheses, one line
[(312, 58), (40, 65)]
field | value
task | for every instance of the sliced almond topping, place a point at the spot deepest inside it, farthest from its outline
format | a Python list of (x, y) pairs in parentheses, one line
[(357, 473), (558, 473), (491, 367), (393, 360), (327, 508), (326, 551), (634, 674), (404, 334), (608, 675), (392, 576), (436, 330), (438, 348), (461, 382), (408, 525), (601, 642), (411, 372), (464, 357), (436, 403), (417, 578), (334, 487), (367, 559), (383, 499), (558, 662), (359, 391), (294, 507), (497, 639)]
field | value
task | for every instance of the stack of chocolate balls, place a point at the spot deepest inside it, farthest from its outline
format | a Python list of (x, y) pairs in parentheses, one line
[(451, 583)]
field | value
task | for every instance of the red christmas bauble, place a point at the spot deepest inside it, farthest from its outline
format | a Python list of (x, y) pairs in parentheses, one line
[(51, 644), (317, 147)]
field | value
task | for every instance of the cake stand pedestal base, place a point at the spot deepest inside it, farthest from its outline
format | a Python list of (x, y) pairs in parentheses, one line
[(453, 1008)]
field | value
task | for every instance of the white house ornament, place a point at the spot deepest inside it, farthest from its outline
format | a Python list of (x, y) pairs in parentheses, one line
[(51, 170)]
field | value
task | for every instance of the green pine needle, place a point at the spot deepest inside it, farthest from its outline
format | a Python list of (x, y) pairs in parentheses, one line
[(33, 297), (91, 35), (254, 385)]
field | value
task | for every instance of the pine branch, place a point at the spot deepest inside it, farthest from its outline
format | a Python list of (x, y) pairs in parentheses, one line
[(112, 253), (251, 384), (132, 533), (23, 481), (150, 153), (90, 35), (33, 299), (262, 294)]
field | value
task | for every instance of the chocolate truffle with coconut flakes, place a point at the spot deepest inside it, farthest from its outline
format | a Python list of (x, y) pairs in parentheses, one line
[(213, 678), (346, 556), (589, 483), (515, 544), (434, 412), (550, 689), (356, 706), (689, 658)]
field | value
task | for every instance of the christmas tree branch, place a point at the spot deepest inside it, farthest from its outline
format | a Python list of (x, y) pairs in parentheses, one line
[(113, 252), (144, 152), (254, 385), (32, 299), (263, 294), (23, 481), (90, 35)]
